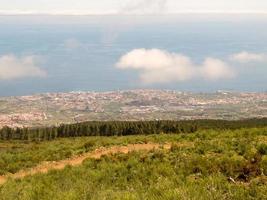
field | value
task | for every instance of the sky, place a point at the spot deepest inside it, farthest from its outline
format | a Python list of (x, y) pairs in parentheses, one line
[(130, 6)]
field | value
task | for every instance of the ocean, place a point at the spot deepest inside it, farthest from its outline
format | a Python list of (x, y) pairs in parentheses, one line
[(79, 53)]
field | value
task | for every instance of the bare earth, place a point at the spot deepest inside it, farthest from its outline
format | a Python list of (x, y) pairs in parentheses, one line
[(78, 160)]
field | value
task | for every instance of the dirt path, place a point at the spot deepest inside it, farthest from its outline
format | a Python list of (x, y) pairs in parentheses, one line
[(77, 160)]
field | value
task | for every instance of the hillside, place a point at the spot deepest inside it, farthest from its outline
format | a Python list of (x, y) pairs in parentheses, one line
[(206, 164)]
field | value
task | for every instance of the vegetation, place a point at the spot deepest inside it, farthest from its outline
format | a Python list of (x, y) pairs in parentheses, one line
[(221, 164), (17, 155), (123, 128)]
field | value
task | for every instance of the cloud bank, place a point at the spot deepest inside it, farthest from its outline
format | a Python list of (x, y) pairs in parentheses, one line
[(144, 7), (12, 67), (159, 66), (246, 57)]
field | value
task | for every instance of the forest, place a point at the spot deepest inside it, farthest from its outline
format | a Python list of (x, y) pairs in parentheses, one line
[(124, 128)]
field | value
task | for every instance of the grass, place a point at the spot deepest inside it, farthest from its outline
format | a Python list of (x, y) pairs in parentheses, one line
[(17, 155), (205, 170)]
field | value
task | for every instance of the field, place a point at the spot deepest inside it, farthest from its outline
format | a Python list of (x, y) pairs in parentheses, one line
[(207, 164)]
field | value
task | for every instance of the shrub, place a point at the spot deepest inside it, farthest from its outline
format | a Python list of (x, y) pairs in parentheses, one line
[(88, 145), (262, 149)]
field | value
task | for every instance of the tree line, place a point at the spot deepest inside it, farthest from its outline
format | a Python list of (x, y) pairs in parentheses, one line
[(124, 128)]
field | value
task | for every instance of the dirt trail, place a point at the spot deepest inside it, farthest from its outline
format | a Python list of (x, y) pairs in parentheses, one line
[(77, 160)]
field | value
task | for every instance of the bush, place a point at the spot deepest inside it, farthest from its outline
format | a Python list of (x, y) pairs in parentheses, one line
[(264, 165), (262, 149), (88, 145)]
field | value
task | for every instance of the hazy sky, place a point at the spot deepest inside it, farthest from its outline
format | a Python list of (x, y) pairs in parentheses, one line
[(130, 6)]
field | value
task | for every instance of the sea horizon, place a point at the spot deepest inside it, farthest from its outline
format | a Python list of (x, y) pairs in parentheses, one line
[(81, 52)]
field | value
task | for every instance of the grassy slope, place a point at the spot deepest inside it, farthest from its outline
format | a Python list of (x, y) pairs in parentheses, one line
[(199, 172), (17, 155)]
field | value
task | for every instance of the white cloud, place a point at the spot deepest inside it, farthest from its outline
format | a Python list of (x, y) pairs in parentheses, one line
[(246, 57), (144, 7), (12, 67), (159, 66), (215, 69)]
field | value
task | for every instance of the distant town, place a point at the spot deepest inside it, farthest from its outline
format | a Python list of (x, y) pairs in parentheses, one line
[(52, 109)]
